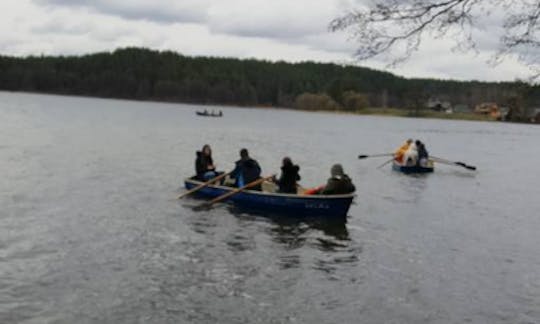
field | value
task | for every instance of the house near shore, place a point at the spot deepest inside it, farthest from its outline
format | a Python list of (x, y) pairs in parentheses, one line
[(439, 105), (534, 116), (503, 113), (489, 109)]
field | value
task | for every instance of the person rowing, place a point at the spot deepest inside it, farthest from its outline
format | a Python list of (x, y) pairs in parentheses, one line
[(246, 171), (423, 155), (407, 154), (400, 152), (411, 155)]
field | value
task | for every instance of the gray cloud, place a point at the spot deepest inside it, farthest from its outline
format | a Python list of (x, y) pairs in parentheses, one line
[(157, 11), (59, 27), (277, 19)]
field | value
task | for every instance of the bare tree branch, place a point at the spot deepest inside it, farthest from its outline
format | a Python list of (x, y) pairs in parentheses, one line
[(398, 27)]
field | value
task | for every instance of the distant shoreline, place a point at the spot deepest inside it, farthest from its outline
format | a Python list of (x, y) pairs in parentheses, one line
[(381, 112), (165, 76)]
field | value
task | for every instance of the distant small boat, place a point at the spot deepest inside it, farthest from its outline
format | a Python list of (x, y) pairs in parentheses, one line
[(327, 206), (411, 169), (208, 114)]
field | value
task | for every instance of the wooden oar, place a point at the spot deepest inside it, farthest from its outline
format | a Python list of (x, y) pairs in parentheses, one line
[(207, 183), (235, 191), (461, 164), (385, 163), (374, 155)]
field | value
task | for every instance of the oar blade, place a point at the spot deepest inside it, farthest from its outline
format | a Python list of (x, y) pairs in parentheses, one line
[(461, 164), (466, 166)]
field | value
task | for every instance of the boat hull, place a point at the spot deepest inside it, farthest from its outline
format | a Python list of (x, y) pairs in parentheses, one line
[(412, 169), (335, 206), (202, 114)]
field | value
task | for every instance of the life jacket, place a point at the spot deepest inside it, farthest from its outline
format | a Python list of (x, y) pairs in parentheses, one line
[(313, 191), (398, 155)]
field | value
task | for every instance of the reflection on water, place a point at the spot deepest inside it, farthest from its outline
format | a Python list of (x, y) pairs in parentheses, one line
[(289, 230)]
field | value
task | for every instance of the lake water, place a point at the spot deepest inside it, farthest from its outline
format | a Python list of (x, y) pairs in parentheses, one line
[(91, 231)]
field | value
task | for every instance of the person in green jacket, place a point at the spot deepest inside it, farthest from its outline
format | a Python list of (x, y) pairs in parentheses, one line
[(339, 183)]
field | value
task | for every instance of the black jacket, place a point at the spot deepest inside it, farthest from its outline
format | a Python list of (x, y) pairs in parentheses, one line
[(249, 169), (338, 185), (288, 178), (422, 152), (203, 164)]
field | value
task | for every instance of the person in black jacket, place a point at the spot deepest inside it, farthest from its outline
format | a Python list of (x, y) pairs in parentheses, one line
[(339, 183), (289, 177), (423, 156), (204, 164), (247, 170)]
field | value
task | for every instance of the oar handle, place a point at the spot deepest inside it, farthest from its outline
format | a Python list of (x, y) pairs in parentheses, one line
[(234, 192), (207, 183), (440, 160)]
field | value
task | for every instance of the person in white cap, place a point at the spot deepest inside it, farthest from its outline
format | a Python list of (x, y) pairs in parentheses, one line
[(411, 155)]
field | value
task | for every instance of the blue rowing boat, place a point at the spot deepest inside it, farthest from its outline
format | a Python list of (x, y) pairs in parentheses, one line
[(413, 169), (332, 206)]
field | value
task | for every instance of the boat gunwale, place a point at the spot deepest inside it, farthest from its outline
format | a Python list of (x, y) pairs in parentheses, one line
[(276, 194), (413, 169)]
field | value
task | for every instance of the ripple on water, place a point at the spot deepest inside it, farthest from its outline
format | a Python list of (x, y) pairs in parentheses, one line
[(91, 233)]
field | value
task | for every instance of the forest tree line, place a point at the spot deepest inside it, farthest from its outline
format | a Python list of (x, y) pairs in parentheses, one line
[(138, 73)]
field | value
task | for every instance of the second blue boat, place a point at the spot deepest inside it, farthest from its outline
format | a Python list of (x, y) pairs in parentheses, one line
[(413, 169)]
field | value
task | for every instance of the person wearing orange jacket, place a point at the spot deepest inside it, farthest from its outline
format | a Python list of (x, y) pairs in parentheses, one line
[(400, 153)]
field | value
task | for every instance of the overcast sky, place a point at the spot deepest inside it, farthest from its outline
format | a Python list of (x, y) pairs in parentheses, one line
[(268, 29)]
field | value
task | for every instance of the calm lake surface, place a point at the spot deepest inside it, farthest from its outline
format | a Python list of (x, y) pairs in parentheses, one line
[(91, 231)]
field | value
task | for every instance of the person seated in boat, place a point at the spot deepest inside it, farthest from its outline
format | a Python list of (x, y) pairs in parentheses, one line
[(247, 170), (204, 164), (400, 152), (411, 155), (423, 155), (338, 184), (287, 181)]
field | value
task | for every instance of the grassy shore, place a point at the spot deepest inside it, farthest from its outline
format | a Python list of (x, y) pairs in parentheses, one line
[(421, 114), (395, 112)]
